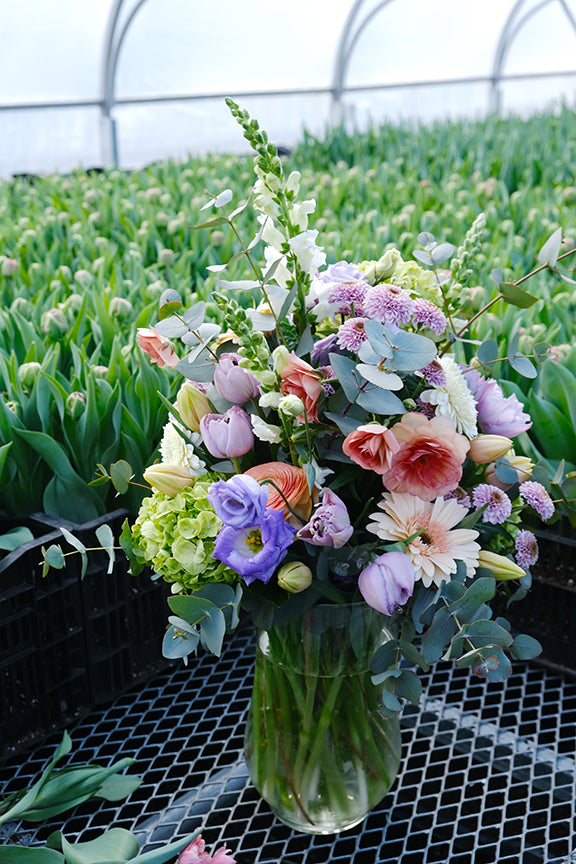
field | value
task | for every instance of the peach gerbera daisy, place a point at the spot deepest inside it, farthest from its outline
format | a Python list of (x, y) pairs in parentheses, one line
[(437, 549)]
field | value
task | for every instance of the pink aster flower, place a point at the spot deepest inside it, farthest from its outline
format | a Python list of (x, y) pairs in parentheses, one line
[(538, 498), (526, 549), (388, 304), (427, 314), (499, 505), (351, 334), (429, 461), (439, 545)]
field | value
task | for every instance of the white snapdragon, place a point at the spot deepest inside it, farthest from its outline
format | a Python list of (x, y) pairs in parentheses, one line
[(270, 400), (300, 211), (309, 256), (270, 234), (265, 431)]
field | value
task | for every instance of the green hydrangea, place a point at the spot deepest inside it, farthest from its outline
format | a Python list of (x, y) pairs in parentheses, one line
[(176, 537)]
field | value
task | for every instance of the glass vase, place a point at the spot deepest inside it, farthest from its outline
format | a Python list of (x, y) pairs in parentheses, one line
[(317, 748)]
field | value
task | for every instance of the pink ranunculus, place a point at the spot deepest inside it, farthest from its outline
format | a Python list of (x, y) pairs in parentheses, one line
[(371, 446), (290, 487), (195, 853), (227, 435), (300, 379), (388, 582), (157, 347), (428, 462)]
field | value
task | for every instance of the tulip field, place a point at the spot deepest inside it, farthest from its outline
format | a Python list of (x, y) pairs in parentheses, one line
[(84, 259)]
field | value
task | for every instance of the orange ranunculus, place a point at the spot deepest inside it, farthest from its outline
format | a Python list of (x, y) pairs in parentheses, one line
[(300, 379), (371, 446), (159, 349), (428, 462), (292, 482)]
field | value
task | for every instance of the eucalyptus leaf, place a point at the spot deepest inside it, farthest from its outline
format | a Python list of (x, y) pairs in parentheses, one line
[(549, 252), (516, 296)]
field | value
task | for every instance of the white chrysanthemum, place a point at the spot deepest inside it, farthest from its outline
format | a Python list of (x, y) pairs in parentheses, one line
[(454, 399), (437, 549), (174, 450)]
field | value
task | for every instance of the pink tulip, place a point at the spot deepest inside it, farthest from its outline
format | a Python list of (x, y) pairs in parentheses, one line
[(388, 582), (195, 853), (227, 435), (233, 382)]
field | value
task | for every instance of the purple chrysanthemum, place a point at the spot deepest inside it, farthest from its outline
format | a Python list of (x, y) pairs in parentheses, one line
[(351, 334), (461, 497), (428, 315), (388, 304), (526, 549), (434, 374), (499, 504), (347, 294), (538, 498)]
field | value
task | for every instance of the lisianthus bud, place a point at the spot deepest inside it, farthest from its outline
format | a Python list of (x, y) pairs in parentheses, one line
[(503, 568), (294, 577), (8, 266), (169, 479), (291, 405), (227, 435), (388, 582), (386, 264), (75, 404), (486, 448), (28, 373), (521, 464), (192, 405), (120, 307), (54, 323), (232, 382)]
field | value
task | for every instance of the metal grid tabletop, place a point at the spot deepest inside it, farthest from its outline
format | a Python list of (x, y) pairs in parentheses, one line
[(488, 771)]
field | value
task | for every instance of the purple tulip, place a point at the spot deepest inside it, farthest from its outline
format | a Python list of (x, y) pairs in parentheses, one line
[(388, 582), (329, 524), (240, 501), (233, 382), (227, 435), (497, 414), (256, 550)]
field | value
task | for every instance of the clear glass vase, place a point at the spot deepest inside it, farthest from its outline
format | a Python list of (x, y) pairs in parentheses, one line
[(318, 749)]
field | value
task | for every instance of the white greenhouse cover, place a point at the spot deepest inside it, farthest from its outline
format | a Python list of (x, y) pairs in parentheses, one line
[(280, 60)]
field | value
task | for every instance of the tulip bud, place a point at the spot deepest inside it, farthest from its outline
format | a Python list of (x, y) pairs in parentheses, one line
[(503, 568), (217, 238), (192, 405), (169, 479), (28, 373), (84, 278), (21, 305), (294, 577), (166, 256), (521, 464), (227, 435), (15, 407), (120, 307), (388, 582), (75, 404), (54, 323), (486, 448), (100, 371), (232, 382), (8, 266)]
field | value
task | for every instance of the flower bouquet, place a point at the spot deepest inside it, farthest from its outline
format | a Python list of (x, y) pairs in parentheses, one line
[(340, 464)]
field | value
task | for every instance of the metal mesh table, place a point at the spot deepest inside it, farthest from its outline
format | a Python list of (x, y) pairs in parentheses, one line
[(488, 772)]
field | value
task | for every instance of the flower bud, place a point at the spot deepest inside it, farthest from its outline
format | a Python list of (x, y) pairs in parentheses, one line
[(294, 577), (486, 448), (28, 373), (120, 307), (166, 256), (217, 238), (75, 404), (386, 264), (192, 405), (503, 568), (100, 371), (232, 382), (54, 323), (388, 582), (291, 405), (8, 266), (84, 278), (169, 479), (21, 305), (521, 464), (227, 435), (281, 358)]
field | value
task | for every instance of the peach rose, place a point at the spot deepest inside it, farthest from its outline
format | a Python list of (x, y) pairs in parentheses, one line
[(157, 347), (300, 379), (293, 483), (371, 447), (428, 462)]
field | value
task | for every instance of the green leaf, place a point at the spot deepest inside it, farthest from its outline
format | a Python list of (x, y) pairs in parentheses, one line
[(548, 254), (488, 351), (521, 364), (379, 401), (116, 844), (77, 544), (15, 537), (390, 701), (345, 370), (213, 630), (29, 855), (54, 557), (439, 634), (525, 647), (4, 455), (516, 296), (121, 473), (191, 608), (409, 686), (106, 539)]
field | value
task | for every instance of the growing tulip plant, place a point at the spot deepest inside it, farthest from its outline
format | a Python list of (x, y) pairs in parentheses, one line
[(339, 436)]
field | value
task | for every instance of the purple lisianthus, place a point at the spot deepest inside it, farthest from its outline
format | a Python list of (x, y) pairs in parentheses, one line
[(232, 382), (227, 435), (320, 353), (388, 582), (497, 414), (329, 524), (255, 551), (240, 501)]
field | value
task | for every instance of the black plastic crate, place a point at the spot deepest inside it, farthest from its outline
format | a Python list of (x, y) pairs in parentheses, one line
[(69, 643), (548, 612)]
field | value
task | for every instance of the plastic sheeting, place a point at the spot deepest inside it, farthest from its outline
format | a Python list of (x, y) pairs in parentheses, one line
[(281, 61)]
